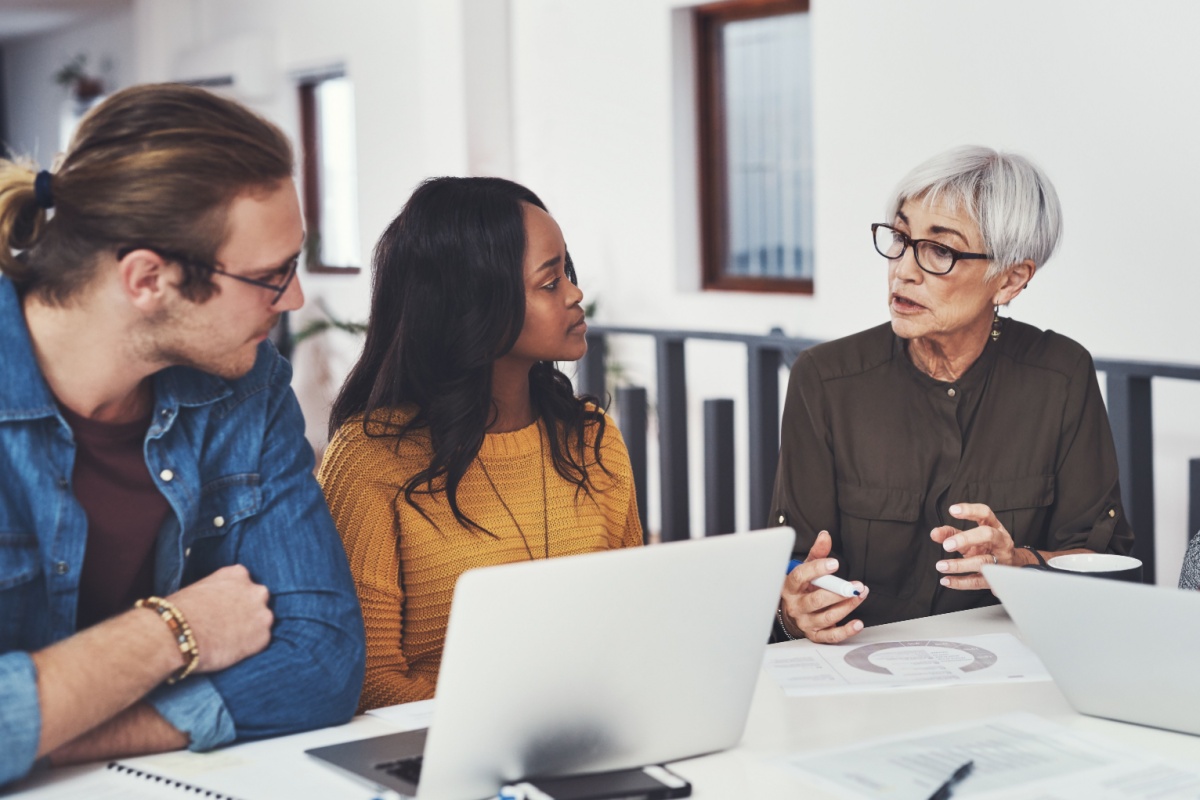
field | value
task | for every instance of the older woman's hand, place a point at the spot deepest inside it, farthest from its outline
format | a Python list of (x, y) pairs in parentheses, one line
[(813, 612), (989, 543)]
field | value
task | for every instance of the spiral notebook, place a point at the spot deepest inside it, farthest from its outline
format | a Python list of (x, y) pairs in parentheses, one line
[(252, 771), (169, 787), (127, 783)]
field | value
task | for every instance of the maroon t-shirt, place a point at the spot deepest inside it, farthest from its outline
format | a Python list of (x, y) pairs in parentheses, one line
[(124, 513)]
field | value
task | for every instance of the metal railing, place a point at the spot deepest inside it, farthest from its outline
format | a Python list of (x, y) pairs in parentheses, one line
[(1128, 385)]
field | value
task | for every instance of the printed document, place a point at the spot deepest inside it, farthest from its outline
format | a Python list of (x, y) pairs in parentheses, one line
[(812, 669), (1016, 755)]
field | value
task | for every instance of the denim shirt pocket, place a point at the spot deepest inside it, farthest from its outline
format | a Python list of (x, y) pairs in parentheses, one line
[(224, 503), (18, 559), (20, 569), (878, 526)]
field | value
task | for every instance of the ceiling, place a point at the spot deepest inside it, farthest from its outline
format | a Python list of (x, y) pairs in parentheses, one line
[(21, 18)]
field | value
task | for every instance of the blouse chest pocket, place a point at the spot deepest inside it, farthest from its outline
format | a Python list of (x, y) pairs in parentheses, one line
[(878, 529), (1021, 505)]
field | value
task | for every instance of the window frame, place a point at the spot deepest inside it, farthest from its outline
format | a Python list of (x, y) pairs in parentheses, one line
[(310, 167), (713, 162)]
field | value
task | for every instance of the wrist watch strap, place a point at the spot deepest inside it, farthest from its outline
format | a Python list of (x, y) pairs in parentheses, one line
[(1041, 562)]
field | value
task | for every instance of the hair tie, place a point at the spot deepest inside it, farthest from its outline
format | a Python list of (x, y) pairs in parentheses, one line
[(41, 190)]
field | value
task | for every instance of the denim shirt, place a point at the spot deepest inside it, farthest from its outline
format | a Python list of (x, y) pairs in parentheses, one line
[(231, 459)]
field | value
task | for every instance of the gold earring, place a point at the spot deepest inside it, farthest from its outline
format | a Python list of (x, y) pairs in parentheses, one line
[(997, 323)]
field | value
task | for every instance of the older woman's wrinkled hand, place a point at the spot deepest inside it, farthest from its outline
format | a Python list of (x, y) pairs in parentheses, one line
[(989, 543), (817, 613)]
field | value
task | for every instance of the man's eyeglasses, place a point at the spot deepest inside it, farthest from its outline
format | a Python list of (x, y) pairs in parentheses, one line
[(933, 257), (278, 284)]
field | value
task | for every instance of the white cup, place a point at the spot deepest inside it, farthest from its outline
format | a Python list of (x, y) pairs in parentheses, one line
[(1101, 565)]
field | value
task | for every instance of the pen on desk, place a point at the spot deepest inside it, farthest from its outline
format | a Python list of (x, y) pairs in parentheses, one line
[(946, 789)]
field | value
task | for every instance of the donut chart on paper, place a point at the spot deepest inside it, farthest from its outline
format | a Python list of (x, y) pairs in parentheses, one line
[(860, 657)]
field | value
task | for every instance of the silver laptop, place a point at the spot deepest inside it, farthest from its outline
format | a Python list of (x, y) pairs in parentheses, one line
[(1123, 651), (588, 663)]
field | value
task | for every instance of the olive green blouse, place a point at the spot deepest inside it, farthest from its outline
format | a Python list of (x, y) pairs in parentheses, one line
[(876, 451)]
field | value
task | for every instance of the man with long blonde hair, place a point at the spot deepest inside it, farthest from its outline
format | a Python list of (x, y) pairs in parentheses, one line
[(169, 573)]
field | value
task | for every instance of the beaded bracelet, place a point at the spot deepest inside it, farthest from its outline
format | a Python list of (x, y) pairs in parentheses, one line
[(786, 632), (180, 630)]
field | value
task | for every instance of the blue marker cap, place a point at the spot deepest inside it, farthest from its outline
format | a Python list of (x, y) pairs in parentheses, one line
[(792, 565)]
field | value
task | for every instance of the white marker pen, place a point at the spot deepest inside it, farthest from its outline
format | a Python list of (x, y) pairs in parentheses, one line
[(832, 583)]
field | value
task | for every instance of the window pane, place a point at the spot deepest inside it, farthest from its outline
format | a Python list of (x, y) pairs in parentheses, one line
[(768, 134), (338, 170)]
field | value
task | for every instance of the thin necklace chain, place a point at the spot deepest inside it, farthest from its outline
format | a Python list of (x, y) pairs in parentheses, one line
[(545, 502)]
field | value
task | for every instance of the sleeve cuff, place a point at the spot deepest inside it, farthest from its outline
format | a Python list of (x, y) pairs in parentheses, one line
[(20, 716), (196, 708)]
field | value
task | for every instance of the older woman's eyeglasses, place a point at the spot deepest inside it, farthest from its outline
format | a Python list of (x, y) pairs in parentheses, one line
[(933, 257), (277, 284)]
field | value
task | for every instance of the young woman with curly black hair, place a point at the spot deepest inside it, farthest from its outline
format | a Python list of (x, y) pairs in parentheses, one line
[(456, 442)]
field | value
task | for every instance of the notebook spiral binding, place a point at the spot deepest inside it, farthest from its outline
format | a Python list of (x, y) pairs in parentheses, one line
[(199, 791)]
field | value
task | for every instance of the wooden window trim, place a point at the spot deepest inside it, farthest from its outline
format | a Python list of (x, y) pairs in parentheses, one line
[(311, 170), (714, 197)]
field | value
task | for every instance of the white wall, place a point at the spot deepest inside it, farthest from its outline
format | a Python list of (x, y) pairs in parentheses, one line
[(35, 102)]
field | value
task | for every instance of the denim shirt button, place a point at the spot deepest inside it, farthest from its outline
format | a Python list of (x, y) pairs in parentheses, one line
[(62, 568), (187, 552), (167, 475), (218, 522)]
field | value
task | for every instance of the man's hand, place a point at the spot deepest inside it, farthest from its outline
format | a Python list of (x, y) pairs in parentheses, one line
[(229, 617), (816, 613)]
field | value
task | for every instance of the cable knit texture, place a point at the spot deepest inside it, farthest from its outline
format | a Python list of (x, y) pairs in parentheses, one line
[(1189, 576), (405, 566)]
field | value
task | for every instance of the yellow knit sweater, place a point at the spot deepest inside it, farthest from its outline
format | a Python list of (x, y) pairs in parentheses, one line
[(405, 567)]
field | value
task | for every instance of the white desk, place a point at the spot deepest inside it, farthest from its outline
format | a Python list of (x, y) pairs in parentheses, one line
[(778, 724)]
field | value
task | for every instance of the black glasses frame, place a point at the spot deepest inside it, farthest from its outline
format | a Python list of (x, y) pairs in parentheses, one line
[(167, 255), (955, 255)]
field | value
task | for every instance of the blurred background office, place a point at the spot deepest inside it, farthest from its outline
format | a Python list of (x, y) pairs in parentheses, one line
[(712, 166)]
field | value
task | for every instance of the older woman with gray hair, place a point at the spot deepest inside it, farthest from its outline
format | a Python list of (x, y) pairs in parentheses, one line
[(916, 452)]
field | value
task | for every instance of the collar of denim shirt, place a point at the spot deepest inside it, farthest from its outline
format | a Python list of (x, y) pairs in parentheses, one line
[(25, 395), (23, 391)]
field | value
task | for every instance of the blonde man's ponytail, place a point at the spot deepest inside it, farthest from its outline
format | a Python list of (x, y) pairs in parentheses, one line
[(22, 218)]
